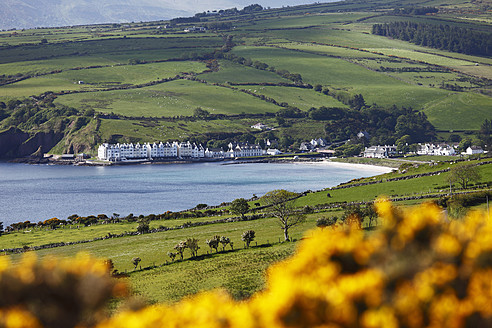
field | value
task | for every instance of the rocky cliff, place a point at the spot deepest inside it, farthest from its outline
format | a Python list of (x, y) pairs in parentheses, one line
[(15, 143)]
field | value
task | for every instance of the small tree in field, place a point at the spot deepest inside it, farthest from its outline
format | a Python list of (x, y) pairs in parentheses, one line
[(463, 174), (239, 206), (172, 255), (224, 241), (180, 248), (136, 261), (248, 237), (214, 242), (192, 245), (326, 222), (283, 208), (143, 226)]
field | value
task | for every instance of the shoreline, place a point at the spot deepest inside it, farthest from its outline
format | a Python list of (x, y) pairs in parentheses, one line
[(305, 165), (317, 160)]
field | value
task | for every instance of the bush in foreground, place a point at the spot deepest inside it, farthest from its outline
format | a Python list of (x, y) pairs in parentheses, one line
[(415, 271)]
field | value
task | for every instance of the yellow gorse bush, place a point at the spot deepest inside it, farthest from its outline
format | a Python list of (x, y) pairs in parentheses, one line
[(417, 270), (55, 293)]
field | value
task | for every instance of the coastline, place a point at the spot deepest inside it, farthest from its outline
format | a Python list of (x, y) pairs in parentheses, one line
[(315, 160), (115, 190)]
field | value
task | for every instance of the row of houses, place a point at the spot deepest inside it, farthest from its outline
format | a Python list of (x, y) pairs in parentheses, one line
[(422, 149), (446, 150), (179, 150)]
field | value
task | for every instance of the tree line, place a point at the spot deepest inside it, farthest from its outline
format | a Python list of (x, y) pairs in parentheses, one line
[(444, 37)]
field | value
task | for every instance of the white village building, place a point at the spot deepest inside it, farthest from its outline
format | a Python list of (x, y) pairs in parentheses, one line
[(244, 149), (380, 151), (130, 151), (438, 150), (472, 150)]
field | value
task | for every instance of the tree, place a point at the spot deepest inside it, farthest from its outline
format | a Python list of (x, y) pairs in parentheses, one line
[(353, 215), (371, 213), (172, 255), (224, 241), (464, 144), (1, 228), (402, 144), (180, 248), (201, 113), (283, 208), (110, 266), (239, 206), (485, 134), (463, 173), (136, 261), (143, 226), (325, 222), (248, 237), (213, 243), (192, 244)]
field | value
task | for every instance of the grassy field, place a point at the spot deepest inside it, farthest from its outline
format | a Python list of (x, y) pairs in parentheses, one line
[(234, 73), (48, 65), (459, 111), (158, 130), (241, 273), (174, 98), (417, 186), (330, 50), (118, 47), (303, 99), (345, 76), (96, 78)]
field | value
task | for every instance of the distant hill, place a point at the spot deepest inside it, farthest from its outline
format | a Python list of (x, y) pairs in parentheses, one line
[(44, 13)]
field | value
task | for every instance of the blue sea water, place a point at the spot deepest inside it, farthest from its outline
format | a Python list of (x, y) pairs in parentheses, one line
[(40, 192)]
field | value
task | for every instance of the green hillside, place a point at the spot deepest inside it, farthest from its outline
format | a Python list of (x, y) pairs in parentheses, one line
[(249, 65)]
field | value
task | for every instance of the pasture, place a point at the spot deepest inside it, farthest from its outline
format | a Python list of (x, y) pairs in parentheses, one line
[(234, 73), (303, 99), (175, 98), (99, 78), (157, 130)]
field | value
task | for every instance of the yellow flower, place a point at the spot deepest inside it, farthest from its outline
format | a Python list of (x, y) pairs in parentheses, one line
[(17, 317)]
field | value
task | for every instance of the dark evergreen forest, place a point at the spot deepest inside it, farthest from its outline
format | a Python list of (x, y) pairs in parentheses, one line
[(444, 37)]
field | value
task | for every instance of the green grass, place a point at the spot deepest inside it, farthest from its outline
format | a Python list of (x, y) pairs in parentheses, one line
[(152, 248), (309, 20), (174, 98), (459, 111), (76, 232), (303, 99), (118, 48), (130, 74), (234, 73), (427, 184), (105, 77), (49, 65), (339, 74), (241, 273), (330, 50), (464, 64), (147, 131)]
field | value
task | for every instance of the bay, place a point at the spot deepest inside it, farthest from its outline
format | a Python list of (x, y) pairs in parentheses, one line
[(40, 192)]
